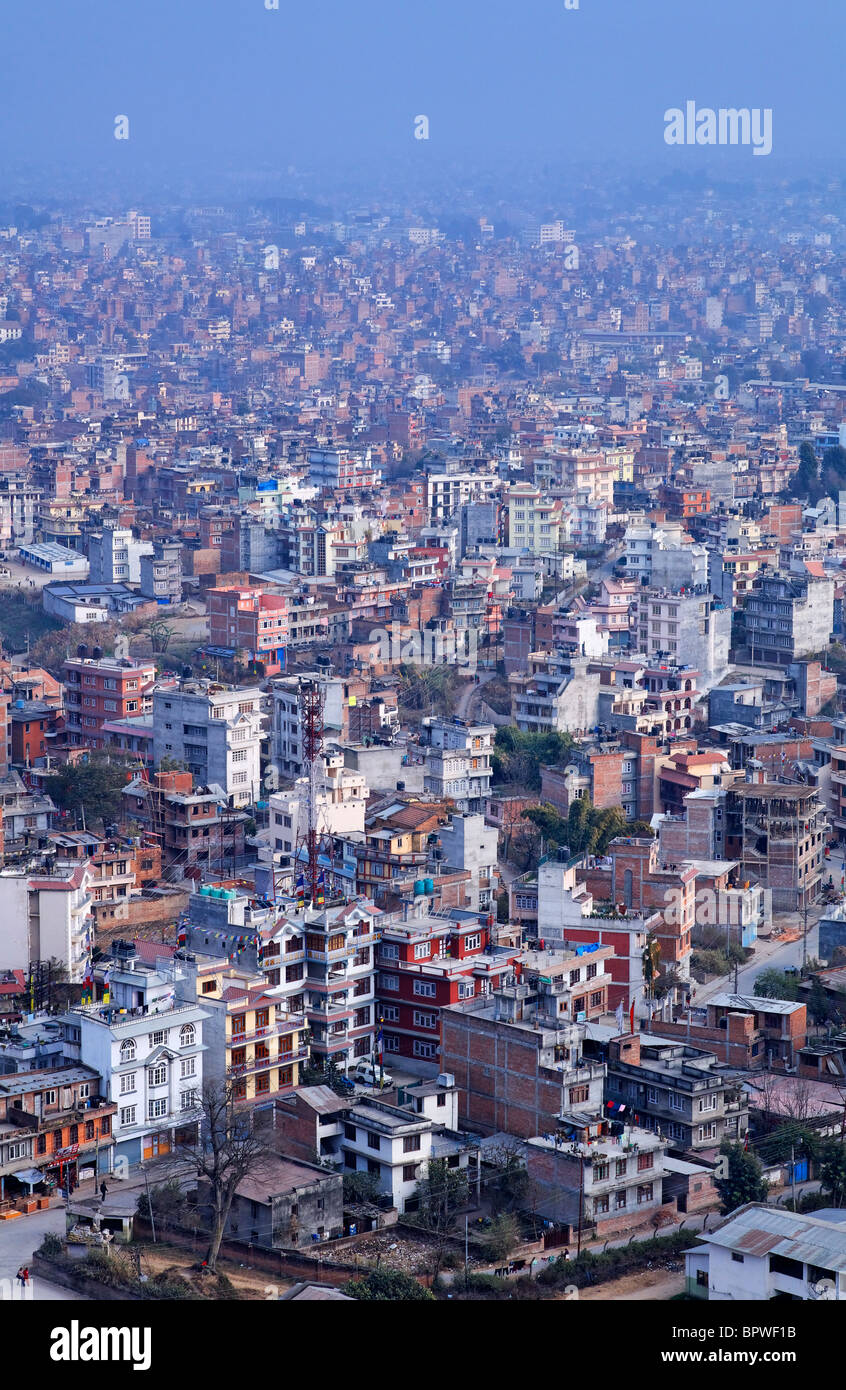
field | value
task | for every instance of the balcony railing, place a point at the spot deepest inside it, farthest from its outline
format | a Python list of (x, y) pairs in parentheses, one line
[(274, 1030), (267, 1063)]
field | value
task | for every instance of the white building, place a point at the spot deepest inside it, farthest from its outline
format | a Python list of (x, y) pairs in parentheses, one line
[(762, 1252), (340, 799), (664, 555), (396, 1144), (115, 556), (149, 1051), (458, 762), (46, 916), (215, 732), (467, 842)]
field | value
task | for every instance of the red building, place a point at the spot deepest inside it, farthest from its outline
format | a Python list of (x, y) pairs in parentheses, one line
[(427, 963), (249, 620), (101, 690)]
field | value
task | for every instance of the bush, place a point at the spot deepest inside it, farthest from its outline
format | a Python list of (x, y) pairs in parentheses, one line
[(51, 1246), (591, 1268), (388, 1286)]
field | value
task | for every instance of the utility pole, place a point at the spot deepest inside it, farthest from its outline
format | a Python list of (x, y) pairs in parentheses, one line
[(805, 937), (581, 1201), (793, 1173)]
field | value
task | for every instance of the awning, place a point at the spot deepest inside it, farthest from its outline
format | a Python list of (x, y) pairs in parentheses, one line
[(28, 1175)]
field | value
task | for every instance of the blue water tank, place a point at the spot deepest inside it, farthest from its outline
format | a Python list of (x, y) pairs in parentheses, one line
[(419, 886), (430, 885)]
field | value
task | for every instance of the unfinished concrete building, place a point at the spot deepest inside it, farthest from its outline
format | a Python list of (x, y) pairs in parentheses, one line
[(777, 830)]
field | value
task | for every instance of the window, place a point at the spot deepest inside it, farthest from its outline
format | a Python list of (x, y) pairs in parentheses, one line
[(390, 1013), (127, 1116), (600, 1205), (84, 1090), (389, 950), (188, 1066), (350, 1132), (127, 1082), (620, 1199), (424, 1020), (426, 988), (421, 950), (239, 1024), (187, 1035), (620, 1167), (158, 1039), (389, 981), (676, 1101), (127, 1050), (644, 1161), (187, 1100), (374, 1167), (579, 1095), (600, 1172), (644, 1193), (374, 1141), (411, 1143), (596, 999), (591, 972), (423, 1049), (739, 1259), (707, 1103), (157, 1076), (707, 1131), (157, 1109), (472, 943), (409, 1172)]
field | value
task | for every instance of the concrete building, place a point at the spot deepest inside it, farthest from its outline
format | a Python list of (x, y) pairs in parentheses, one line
[(688, 625), (468, 842), (115, 556), (788, 617), (161, 572), (216, 732), (100, 690), (556, 692), (46, 915), (458, 762), (759, 1253), (148, 1047), (593, 1180), (777, 831), (287, 1205)]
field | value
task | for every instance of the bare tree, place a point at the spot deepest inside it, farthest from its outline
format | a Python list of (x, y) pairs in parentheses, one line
[(226, 1151)]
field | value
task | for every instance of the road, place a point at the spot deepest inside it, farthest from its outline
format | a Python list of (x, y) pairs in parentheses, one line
[(465, 699), (18, 1240), (768, 955)]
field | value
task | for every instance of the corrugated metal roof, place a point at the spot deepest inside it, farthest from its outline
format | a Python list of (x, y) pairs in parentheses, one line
[(759, 1230)]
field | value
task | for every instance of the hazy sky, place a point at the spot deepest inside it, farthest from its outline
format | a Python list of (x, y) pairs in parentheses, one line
[(223, 82)]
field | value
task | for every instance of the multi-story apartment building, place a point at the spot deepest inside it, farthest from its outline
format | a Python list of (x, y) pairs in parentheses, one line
[(534, 519), (588, 1178), (664, 555), (101, 690), (426, 964), (447, 493), (147, 1044), (161, 572), (321, 962), (679, 1091), (115, 556), (52, 1124), (249, 621), (343, 469), (215, 731), (340, 800), (46, 913), (788, 617), (458, 761), (689, 624), (253, 1040), (514, 1054), (193, 826), (777, 829), (555, 692)]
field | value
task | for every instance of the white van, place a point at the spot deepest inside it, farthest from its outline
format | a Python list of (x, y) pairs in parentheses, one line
[(368, 1073)]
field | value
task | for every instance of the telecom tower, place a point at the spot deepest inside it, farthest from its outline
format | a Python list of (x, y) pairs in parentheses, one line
[(311, 737)]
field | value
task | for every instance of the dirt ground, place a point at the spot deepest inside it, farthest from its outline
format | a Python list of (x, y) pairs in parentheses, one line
[(649, 1284), (251, 1283)]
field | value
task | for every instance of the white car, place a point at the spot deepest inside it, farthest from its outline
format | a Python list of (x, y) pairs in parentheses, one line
[(369, 1074)]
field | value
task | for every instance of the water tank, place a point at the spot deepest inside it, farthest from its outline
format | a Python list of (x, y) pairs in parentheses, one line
[(419, 886), (430, 885), (97, 653), (82, 650), (230, 893), (205, 891), (446, 1078)]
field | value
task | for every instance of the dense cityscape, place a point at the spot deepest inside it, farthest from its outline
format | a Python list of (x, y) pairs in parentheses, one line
[(423, 735)]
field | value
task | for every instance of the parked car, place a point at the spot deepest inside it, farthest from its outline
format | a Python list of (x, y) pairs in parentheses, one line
[(370, 1074)]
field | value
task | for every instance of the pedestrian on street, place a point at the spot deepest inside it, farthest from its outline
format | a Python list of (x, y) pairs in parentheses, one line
[(103, 1190), (26, 1276), (21, 1277)]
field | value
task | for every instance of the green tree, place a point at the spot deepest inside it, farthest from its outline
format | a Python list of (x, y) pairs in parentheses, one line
[(820, 1006), (93, 788), (439, 1196), (774, 984), (502, 1237), (388, 1286), (361, 1187), (743, 1181), (833, 1172)]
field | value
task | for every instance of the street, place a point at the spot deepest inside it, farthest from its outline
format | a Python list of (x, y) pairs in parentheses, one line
[(18, 1240)]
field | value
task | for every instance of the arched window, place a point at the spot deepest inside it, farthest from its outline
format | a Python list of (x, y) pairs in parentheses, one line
[(127, 1050), (187, 1035)]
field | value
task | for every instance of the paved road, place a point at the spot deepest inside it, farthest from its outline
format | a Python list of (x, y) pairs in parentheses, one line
[(465, 699), (18, 1240), (768, 955)]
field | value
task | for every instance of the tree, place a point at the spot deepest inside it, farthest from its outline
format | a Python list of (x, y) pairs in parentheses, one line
[(93, 788), (438, 1197), (820, 1006), (744, 1178), (509, 1181), (388, 1286), (503, 1235), (224, 1153), (361, 1187), (806, 480), (833, 1172), (774, 984)]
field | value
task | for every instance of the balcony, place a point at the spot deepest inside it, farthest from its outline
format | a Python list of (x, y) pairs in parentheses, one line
[(284, 1059), (275, 1030)]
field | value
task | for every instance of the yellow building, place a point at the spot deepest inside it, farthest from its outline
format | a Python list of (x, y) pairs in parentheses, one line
[(263, 1045)]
